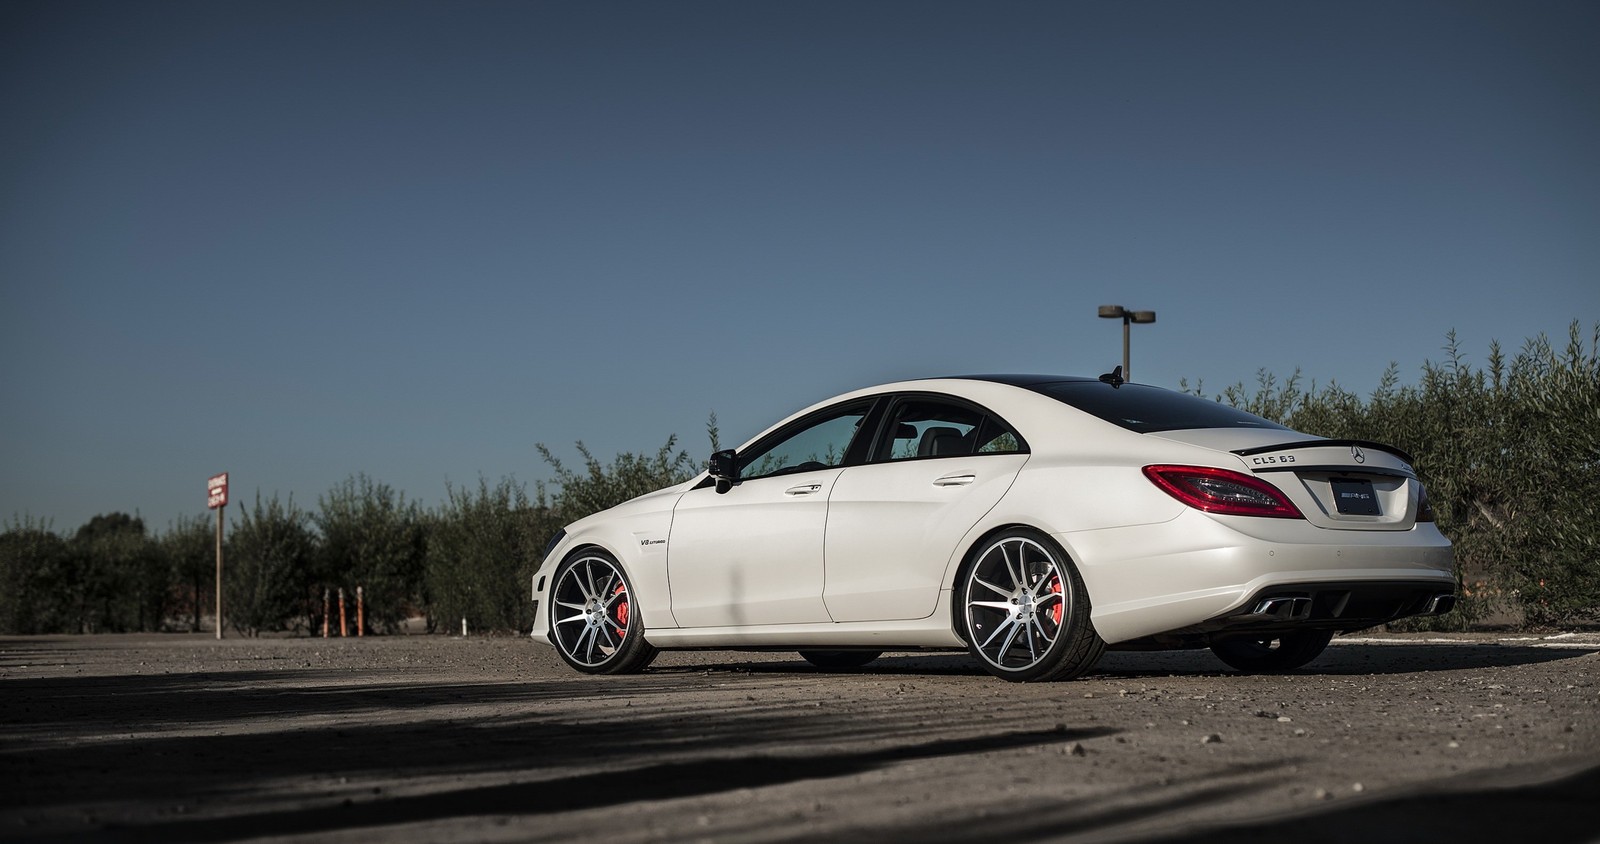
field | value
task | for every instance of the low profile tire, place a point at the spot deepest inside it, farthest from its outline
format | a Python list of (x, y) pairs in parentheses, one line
[(1268, 654), (1024, 611), (592, 617), (839, 660)]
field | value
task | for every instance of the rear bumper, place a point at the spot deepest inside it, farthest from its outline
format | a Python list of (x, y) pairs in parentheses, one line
[(1209, 576), (1336, 606), (1339, 607)]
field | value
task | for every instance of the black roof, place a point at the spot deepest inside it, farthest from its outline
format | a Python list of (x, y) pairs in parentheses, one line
[(1140, 408), (1023, 380)]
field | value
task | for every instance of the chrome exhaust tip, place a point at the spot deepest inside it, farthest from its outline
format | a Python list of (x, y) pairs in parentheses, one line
[(1441, 604), (1284, 609)]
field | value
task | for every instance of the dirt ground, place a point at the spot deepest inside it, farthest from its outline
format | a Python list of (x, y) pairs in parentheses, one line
[(170, 738)]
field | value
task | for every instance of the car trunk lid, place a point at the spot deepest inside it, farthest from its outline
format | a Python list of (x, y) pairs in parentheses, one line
[(1338, 484)]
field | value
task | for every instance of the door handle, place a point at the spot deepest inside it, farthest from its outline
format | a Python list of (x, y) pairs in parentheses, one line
[(955, 480), (803, 489)]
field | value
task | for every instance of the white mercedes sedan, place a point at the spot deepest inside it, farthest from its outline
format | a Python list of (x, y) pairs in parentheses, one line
[(1032, 521)]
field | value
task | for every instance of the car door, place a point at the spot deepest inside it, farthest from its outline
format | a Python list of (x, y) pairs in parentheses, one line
[(939, 465), (753, 555)]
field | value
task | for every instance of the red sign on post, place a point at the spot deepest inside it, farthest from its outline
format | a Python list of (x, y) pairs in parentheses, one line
[(217, 491)]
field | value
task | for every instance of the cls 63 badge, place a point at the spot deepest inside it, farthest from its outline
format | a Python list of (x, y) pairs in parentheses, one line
[(1272, 459)]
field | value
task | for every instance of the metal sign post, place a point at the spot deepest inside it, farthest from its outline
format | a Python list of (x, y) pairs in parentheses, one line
[(217, 499)]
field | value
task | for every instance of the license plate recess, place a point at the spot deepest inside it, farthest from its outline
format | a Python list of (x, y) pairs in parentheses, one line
[(1355, 497)]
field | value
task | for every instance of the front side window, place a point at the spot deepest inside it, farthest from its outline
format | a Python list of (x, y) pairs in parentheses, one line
[(821, 442)]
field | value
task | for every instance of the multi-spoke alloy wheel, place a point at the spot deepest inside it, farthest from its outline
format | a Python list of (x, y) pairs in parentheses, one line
[(1024, 610), (592, 616)]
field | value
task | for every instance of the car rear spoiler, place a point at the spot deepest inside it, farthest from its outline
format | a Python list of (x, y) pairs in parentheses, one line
[(1366, 444)]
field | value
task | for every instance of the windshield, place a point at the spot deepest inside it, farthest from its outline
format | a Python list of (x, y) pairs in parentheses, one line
[(1147, 410)]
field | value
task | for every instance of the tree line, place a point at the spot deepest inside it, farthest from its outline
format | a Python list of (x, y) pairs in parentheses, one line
[(470, 558), (1509, 453)]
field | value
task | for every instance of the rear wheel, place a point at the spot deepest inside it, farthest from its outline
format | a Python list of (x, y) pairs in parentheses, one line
[(1024, 611), (839, 660), (1267, 654), (596, 627)]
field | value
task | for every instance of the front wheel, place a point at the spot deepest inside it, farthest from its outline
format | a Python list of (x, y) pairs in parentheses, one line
[(596, 627), (1025, 612), (1268, 654)]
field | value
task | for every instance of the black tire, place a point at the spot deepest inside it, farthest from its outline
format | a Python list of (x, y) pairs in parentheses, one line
[(592, 620), (1023, 610), (839, 660), (1269, 654)]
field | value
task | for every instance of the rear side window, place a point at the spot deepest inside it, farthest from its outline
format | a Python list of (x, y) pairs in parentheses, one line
[(940, 427), (1146, 410)]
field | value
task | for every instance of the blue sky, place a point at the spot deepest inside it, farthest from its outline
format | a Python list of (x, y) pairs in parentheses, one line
[(296, 241)]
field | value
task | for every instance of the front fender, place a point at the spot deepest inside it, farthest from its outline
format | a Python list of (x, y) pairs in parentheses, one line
[(635, 534)]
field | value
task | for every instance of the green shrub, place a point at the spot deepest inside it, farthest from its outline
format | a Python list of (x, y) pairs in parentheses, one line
[(123, 581), (371, 538), (601, 486), (190, 547), (38, 580), (266, 566)]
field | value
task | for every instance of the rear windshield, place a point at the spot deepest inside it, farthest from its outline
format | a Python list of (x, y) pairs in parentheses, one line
[(1147, 410)]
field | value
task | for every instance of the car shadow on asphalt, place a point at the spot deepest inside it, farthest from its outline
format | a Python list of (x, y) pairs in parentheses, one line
[(583, 791), (1554, 812), (1341, 659), (1558, 812), (329, 749)]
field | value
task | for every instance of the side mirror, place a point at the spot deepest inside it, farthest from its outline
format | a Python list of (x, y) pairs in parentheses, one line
[(725, 469)]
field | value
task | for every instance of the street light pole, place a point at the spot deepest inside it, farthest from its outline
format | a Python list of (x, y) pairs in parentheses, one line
[(1128, 318)]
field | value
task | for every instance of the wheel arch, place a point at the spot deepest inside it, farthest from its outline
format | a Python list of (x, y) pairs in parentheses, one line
[(1073, 648), (958, 569), (604, 610), (649, 580), (572, 552)]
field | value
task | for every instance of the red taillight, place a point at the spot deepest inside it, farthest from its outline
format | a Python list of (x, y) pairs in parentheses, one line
[(1221, 491), (1424, 508)]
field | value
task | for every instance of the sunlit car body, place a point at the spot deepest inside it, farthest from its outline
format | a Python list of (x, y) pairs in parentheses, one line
[(1031, 520)]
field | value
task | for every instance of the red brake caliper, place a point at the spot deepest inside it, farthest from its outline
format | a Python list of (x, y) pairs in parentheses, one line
[(622, 607), (1055, 611)]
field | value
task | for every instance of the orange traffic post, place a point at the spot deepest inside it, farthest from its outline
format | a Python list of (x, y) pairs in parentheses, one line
[(344, 629), (327, 609), (361, 614)]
